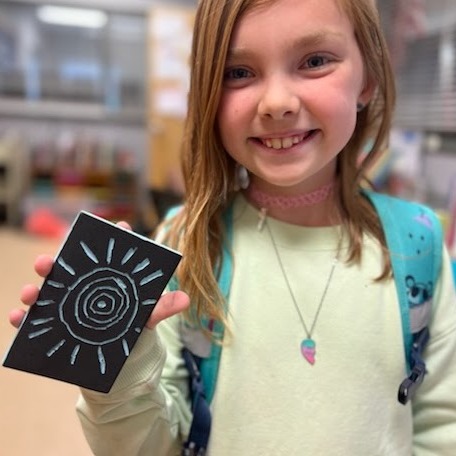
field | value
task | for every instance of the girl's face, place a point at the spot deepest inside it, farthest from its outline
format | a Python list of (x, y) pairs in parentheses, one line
[(293, 77)]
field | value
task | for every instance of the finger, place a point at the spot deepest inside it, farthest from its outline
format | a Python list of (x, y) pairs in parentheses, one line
[(168, 305), (29, 294), (124, 225), (43, 265), (16, 317)]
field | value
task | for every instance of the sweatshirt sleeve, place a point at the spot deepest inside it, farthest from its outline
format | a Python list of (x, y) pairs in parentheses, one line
[(434, 408), (147, 410)]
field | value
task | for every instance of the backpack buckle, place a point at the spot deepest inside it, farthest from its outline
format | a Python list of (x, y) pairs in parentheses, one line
[(191, 449), (408, 387)]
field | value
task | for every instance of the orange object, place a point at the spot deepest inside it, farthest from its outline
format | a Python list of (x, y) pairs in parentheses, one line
[(44, 222)]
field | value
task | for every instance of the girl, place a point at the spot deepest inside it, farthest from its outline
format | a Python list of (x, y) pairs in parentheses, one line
[(284, 94)]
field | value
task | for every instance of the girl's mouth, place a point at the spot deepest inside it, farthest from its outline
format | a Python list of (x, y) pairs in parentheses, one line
[(285, 143)]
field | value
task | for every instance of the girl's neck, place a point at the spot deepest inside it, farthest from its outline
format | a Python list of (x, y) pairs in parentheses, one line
[(314, 208)]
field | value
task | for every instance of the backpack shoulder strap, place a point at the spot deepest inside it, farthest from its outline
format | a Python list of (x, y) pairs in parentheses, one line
[(203, 370), (209, 366), (414, 238)]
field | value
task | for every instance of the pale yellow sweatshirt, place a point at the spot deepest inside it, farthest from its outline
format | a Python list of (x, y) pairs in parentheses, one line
[(269, 400)]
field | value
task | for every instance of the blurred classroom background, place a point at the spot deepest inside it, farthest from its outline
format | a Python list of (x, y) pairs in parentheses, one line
[(92, 103)]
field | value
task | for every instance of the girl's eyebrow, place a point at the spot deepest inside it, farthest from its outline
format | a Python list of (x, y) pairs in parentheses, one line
[(316, 38), (308, 40)]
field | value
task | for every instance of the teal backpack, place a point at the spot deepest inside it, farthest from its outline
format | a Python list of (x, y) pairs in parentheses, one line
[(414, 238)]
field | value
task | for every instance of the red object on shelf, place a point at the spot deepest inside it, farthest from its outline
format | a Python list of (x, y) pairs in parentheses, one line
[(44, 222)]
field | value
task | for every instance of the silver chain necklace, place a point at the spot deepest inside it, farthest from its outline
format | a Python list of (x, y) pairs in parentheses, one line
[(308, 345)]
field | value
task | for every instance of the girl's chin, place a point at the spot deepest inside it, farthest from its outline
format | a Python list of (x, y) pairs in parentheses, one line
[(281, 184)]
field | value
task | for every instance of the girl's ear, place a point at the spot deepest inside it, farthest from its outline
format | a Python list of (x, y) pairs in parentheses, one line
[(367, 92)]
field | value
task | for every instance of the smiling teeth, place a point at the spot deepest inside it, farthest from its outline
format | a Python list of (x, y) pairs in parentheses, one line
[(282, 143)]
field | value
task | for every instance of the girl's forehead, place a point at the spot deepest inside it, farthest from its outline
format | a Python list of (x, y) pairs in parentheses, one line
[(288, 16), (308, 6), (256, 4)]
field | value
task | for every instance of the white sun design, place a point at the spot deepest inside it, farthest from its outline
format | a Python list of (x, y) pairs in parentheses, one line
[(99, 307)]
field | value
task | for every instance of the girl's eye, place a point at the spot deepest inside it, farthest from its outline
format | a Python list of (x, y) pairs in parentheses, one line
[(316, 61), (237, 73)]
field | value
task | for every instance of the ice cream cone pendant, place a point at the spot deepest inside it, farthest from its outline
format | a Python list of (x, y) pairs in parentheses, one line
[(308, 350)]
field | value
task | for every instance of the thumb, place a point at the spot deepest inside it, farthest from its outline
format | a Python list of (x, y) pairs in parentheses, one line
[(168, 305)]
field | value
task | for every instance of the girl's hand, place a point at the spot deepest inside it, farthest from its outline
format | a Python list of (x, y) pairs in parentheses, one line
[(29, 294), (168, 305)]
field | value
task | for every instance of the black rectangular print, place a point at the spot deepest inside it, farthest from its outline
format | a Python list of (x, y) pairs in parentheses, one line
[(93, 305)]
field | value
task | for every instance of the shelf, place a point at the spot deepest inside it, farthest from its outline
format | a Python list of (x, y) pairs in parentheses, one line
[(130, 7), (58, 110)]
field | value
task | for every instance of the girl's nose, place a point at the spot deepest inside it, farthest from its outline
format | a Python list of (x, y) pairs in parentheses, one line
[(278, 100)]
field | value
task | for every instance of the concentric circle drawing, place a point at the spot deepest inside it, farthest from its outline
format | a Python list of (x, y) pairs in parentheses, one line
[(100, 307)]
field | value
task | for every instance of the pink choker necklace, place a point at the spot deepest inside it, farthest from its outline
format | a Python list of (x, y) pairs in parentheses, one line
[(266, 200)]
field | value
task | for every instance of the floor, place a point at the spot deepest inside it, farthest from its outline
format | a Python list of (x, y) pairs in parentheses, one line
[(37, 414)]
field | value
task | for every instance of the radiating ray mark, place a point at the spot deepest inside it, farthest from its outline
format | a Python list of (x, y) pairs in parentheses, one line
[(110, 250), (74, 354), (101, 360), (66, 266), (89, 252), (141, 266), (126, 349), (55, 348), (41, 321), (54, 284), (128, 255), (120, 283), (149, 302), (151, 277), (45, 302), (39, 333)]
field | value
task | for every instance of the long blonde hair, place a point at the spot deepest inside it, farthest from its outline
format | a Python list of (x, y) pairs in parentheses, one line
[(208, 171)]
